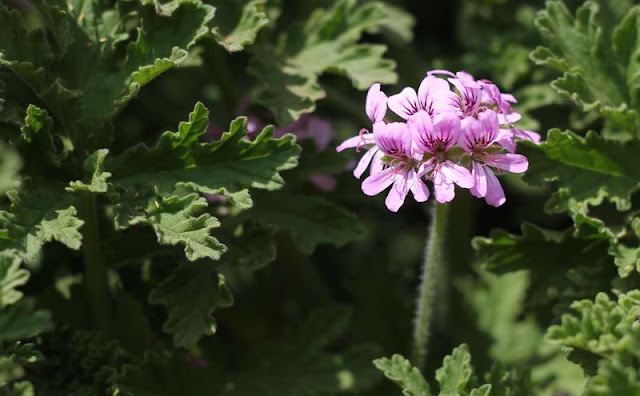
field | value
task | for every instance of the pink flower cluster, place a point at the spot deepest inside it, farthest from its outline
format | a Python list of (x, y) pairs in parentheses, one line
[(456, 131)]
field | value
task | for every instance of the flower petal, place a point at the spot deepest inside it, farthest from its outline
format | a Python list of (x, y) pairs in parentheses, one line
[(376, 106), (457, 174), (362, 139), (526, 135), (444, 192), (394, 139), (418, 188), (421, 128), (479, 188), (495, 193), (364, 162), (505, 139), (378, 182), (398, 193), (514, 163), (433, 94), (405, 103)]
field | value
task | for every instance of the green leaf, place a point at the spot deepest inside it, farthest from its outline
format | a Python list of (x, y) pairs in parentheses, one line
[(455, 373), (399, 370), (597, 328), (601, 69), (95, 174), (230, 164), (556, 262), (498, 303), (11, 277), (326, 43), (586, 170), (39, 215), (22, 320), (252, 20), (10, 165), (176, 220), (90, 77), (312, 220), (618, 375), (191, 295), (300, 364), (38, 140), (13, 358)]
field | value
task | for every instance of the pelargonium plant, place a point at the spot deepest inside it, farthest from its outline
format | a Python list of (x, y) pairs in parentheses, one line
[(448, 137), (456, 131)]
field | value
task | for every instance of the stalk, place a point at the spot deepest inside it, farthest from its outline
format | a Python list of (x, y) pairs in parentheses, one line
[(94, 265), (431, 274)]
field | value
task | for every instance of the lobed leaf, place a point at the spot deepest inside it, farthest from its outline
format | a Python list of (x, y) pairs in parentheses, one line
[(586, 170), (312, 220), (399, 370), (600, 68), (252, 20), (326, 43), (176, 220), (232, 163), (191, 295), (40, 214), (11, 277), (95, 174)]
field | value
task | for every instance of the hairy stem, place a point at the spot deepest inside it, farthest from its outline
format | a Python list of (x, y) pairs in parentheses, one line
[(433, 264), (94, 265)]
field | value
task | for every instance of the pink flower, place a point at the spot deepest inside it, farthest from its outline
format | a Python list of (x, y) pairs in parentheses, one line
[(436, 138), (458, 134), (376, 109), (394, 141), (432, 96), (477, 137)]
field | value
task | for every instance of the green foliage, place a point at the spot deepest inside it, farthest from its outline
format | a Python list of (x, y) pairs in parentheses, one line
[(311, 220), (191, 294), (327, 42), (587, 170), (456, 377), (41, 214), (597, 53), (252, 20), (299, 364), (399, 370), (555, 263)]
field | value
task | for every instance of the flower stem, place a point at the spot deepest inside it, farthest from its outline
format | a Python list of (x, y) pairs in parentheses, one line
[(433, 264), (95, 270)]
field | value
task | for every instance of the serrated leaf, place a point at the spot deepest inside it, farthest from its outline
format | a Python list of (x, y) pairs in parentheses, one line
[(95, 174), (88, 33), (587, 170), (11, 277), (10, 165), (556, 261), (22, 320), (312, 220), (191, 295), (455, 373), (13, 358), (597, 328), (600, 69), (232, 163), (300, 364), (252, 20), (176, 220), (399, 370), (498, 303), (250, 246), (326, 43), (38, 215)]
